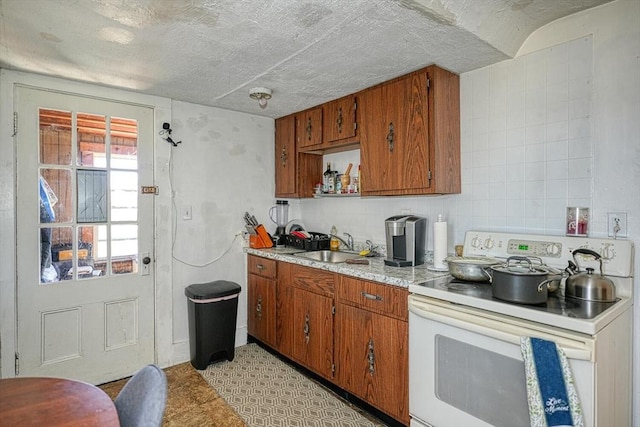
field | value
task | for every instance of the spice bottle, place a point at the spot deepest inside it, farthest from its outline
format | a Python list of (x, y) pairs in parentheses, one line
[(326, 177)]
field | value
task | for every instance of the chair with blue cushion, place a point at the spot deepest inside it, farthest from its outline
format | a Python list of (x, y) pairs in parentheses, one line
[(142, 400)]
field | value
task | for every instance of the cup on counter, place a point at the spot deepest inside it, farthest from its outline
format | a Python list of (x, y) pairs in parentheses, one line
[(577, 221)]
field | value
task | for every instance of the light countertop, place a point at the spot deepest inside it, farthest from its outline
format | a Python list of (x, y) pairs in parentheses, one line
[(376, 271)]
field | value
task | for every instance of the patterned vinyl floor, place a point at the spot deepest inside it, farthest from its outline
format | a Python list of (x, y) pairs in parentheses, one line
[(267, 392)]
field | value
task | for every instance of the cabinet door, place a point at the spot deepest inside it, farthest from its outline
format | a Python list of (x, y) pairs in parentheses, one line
[(339, 119), (261, 306), (372, 359), (313, 331), (285, 157), (394, 136), (309, 128)]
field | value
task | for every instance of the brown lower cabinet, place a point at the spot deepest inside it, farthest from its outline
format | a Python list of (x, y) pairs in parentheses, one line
[(351, 332), (372, 354), (261, 299), (305, 317)]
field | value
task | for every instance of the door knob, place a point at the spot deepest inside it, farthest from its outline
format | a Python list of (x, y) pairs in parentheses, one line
[(146, 260)]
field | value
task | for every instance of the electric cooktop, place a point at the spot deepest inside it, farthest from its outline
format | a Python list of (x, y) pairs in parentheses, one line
[(555, 304)]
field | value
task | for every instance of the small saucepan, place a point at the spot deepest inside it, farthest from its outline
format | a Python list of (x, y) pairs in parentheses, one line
[(519, 281)]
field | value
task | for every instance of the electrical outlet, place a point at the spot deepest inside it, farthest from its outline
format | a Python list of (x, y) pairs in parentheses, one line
[(617, 224)]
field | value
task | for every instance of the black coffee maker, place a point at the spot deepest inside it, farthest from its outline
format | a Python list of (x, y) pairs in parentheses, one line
[(406, 240)]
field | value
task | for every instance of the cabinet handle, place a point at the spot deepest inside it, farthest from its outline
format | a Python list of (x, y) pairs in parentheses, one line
[(390, 137), (371, 296), (259, 308), (283, 157), (306, 328), (371, 357), (339, 120), (309, 128), (260, 266)]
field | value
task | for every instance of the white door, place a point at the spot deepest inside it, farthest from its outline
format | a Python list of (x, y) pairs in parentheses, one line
[(85, 306)]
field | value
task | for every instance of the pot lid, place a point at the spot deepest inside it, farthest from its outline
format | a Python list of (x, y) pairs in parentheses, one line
[(521, 270)]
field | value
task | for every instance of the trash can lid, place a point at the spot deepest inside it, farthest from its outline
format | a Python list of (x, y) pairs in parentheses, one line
[(218, 288)]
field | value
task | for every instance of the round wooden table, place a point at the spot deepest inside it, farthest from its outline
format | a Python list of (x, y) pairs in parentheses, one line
[(54, 402)]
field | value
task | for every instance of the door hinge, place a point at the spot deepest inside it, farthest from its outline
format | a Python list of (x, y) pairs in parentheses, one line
[(17, 362), (15, 124), (333, 368)]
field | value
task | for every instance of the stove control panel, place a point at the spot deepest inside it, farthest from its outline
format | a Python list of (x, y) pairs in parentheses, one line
[(534, 248), (556, 251)]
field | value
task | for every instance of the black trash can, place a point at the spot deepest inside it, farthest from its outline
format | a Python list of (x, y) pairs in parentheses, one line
[(213, 308)]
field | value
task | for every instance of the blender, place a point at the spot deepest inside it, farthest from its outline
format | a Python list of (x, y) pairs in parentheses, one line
[(282, 217)]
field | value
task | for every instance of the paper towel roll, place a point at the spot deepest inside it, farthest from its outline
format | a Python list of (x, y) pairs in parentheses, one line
[(439, 243)]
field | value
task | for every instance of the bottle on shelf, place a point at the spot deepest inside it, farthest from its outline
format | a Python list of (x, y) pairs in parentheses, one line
[(325, 179)]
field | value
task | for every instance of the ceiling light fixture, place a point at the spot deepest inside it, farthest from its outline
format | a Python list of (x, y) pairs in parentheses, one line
[(262, 94)]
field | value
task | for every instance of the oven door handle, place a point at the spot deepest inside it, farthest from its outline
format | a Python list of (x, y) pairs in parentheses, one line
[(500, 330)]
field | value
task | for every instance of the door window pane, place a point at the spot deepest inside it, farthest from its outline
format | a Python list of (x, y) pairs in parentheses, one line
[(56, 204), (92, 135), (124, 143), (124, 248), (55, 137), (124, 196), (92, 195)]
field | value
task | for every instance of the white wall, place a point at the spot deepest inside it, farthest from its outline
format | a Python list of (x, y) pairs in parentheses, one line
[(557, 126), (223, 167)]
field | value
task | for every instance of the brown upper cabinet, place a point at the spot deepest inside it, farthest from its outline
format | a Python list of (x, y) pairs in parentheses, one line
[(309, 128), (407, 129), (285, 154), (410, 135), (340, 126), (296, 172)]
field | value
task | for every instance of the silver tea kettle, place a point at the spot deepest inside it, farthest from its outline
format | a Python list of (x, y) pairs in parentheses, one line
[(588, 286)]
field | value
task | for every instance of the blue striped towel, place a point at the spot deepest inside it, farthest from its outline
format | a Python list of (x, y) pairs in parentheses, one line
[(552, 397)]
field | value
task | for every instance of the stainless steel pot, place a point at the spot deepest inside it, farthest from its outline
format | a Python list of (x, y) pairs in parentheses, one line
[(588, 286), (519, 281), (471, 269)]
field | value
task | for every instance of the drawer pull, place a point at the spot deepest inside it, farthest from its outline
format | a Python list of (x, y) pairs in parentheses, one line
[(371, 296), (260, 266)]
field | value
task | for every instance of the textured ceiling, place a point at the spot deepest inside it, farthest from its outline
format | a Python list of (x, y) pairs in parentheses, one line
[(212, 52)]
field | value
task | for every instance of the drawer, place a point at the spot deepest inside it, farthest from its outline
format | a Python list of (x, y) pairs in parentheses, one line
[(376, 297), (313, 280), (261, 266)]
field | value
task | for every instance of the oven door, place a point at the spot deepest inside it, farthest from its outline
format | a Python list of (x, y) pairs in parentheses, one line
[(466, 367)]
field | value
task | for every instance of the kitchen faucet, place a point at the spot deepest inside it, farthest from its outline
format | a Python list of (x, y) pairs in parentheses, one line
[(348, 243)]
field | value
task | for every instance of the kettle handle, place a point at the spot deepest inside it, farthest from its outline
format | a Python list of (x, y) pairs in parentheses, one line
[(585, 251)]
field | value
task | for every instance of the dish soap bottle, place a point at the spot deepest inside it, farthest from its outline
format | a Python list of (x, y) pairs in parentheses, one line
[(334, 244)]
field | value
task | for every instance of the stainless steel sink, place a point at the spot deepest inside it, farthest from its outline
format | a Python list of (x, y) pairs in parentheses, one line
[(327, 256)]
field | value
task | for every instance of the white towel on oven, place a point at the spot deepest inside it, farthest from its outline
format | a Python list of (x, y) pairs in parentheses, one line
[(551, 391)]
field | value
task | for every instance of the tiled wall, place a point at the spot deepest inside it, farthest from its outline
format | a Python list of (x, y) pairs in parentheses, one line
[(526, 154), (526, 139)]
